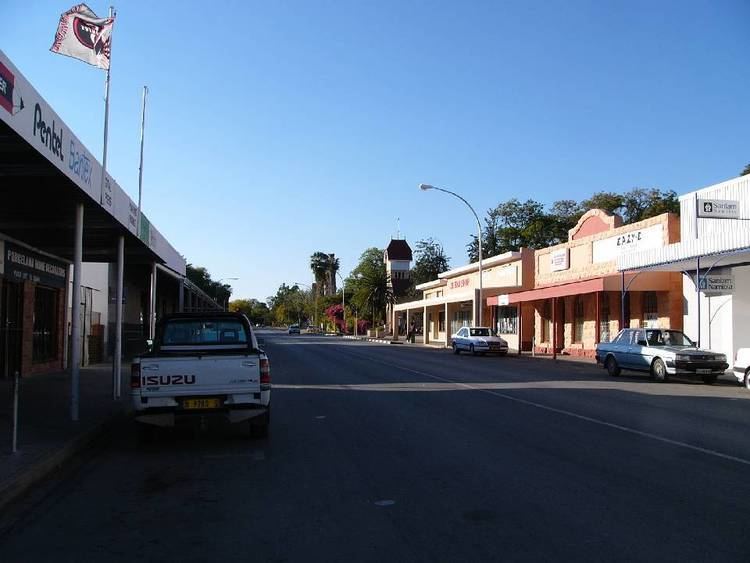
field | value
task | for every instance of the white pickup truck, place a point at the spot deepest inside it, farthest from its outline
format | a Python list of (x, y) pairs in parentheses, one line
[(202, 365)]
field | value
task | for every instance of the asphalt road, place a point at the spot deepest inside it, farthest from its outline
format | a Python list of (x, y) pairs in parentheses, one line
[(396, 453)]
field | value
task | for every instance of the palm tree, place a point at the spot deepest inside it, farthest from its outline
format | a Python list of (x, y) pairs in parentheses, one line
[(324, 267)]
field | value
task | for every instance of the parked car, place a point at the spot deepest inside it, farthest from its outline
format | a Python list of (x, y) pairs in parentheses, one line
[(293, 329), (661, 353), (742, 366), (202, 365), (478, 340)]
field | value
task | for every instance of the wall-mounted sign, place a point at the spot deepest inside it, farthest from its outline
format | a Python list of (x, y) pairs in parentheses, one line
[(22, 264), (641, 239), (719, 208), (457, 284), (502, 300), (559, 259), (717, 284)]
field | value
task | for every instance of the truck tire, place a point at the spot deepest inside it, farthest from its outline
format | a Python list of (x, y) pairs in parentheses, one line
[(747, 379)]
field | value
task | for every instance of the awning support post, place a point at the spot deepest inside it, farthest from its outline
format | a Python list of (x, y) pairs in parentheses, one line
[(622, 302), (554, 328), (520, 328), (75, 321), (698, 296), (117, 360)]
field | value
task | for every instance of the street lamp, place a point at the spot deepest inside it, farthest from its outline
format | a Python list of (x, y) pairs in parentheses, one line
[(343, 297), (226, 302), (425, 187)]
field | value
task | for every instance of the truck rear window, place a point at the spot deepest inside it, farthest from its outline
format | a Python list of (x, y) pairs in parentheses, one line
[(191, 332)]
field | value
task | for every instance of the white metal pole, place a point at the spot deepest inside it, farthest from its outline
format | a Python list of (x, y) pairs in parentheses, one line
[(75, 321), (117, 363), (479, 234), (140, 165), (106, 119), (152, 304)]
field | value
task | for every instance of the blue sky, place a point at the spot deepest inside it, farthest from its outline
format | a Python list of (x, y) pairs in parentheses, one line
[(276, 129)]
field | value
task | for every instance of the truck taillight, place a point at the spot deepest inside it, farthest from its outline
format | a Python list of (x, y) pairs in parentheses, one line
[(135, 376), (265, 371)]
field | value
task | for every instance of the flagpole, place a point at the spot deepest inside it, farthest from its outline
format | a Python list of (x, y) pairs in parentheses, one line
[(140, 166), (106, 115)]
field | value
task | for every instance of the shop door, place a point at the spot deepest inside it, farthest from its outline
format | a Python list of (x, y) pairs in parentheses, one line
[(11, 304)]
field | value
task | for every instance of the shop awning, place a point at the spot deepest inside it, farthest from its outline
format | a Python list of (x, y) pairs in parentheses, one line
[(575, 288)]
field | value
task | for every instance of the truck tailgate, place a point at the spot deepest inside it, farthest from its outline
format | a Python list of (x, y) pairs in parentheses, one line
[(200, 375)]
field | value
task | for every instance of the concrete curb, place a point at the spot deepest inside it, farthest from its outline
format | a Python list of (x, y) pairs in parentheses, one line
[(17, 486)]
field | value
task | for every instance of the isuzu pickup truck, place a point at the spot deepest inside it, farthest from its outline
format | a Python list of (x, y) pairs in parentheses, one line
[(201, 366)]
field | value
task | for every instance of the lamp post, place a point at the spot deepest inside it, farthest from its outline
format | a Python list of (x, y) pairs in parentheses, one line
[(425, 187), (343, 297), (226, 301)]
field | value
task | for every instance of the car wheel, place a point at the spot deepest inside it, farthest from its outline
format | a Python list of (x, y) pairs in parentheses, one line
[(747, 379), (709, 379), (612, 368), (471, 349), (455, 349), (659, 371)]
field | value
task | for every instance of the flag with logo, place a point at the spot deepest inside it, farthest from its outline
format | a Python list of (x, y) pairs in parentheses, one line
[(83, 35)]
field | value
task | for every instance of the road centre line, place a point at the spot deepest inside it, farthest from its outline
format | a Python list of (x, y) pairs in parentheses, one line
[(568, 413)]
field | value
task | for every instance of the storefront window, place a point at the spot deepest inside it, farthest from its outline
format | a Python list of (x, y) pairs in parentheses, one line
[(44, 347), (604, 335), (578, 319), (441, 321), (650, 310), (460, 318), (546, 321), (507, 320)]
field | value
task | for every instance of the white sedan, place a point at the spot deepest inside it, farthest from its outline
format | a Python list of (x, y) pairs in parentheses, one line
[(478, 340)]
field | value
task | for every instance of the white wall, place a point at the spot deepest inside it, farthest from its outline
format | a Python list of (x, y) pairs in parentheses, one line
[(727, 317)]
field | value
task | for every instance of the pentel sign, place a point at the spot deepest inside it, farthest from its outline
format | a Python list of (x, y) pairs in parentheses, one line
[(50, 134)]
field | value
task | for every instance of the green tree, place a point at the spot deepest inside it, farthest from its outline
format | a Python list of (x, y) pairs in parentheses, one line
[(429, 261), (369, 286), (606, 201), (641, 203), (256, 311), (202, 278), (324, 268), (511, 225), (745, 170)]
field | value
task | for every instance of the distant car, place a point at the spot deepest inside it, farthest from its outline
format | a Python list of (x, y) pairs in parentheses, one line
[(478, 340), (742, 366), (293, 329), (661, 353)]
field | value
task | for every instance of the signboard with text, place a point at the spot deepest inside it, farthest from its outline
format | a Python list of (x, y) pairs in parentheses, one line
[(719, 208), (21, 264), (717, 284), (641, 239), (559, 260)]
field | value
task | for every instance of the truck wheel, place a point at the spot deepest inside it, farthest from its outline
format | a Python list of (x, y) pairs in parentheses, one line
[(455, 349), (612, 368), (747, 379), (659, 371)]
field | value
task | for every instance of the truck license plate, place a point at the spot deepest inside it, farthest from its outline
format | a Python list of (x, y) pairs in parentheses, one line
[(702, 370), (211, 403)]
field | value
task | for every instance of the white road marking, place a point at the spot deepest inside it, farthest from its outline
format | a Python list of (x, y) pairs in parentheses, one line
[(577, 416)]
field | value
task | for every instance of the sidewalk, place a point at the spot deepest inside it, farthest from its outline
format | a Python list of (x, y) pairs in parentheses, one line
[(46, 435)]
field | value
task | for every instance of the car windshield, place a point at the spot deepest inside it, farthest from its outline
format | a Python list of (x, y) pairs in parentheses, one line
[(479, 332), (667, 338), (186, 332)]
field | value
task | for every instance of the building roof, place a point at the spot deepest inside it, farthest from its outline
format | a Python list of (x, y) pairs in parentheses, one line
[(398, 249)]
